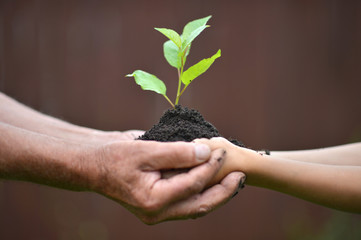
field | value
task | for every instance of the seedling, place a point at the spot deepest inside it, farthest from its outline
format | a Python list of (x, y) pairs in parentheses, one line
[(176, 50)]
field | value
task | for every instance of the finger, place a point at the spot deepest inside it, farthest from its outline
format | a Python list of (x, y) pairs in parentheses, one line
[(175, 155), (213, 143), (133, 134), (171, 173), (201, 204), (186, 184)]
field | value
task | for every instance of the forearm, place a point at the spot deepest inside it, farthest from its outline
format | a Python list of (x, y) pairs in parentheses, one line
[(329, 185), (19, 115), (336, 186), (349, 154), (29, 156)]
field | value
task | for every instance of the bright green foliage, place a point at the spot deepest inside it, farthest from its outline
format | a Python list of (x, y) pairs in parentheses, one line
[(189, 39), (172, 35), (192, 26), (148, 81), (176, 50), (199, 68), (172, 54)]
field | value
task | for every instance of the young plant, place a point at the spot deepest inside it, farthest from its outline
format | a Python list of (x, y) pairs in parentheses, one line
[(176, 50)]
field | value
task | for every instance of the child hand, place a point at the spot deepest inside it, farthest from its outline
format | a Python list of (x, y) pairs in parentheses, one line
[(233, 160)]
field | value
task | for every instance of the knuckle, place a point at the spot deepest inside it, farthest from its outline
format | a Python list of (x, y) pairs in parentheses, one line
[(220, 140), (145, 201), (150, 205), (202, 211), (196, 187)]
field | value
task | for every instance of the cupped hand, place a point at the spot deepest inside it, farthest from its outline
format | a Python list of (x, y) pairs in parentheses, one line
[(132, 134), (102, 137), (131, 175), (235, 160)]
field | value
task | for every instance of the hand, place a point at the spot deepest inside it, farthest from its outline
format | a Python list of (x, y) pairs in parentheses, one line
[(236, 156), (131, 175), (96, 137), (132, 134)]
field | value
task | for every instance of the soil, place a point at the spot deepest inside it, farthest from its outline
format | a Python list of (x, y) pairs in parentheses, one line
[(182, 124)]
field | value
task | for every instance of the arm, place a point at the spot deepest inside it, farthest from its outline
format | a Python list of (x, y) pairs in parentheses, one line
[(21, 116), (128, 172), (29, 156), (335, 186), (349, 154)]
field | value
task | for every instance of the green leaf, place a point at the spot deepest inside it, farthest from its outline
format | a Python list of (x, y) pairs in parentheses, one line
[(193, 25), (192, 30), (172, 54), (172, 35), (148, 81), (189, 39), (199, 68)]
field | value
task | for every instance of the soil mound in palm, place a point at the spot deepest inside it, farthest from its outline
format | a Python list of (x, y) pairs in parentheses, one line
[(182, 124)]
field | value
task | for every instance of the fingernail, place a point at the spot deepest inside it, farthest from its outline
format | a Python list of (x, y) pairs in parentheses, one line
[(202, 152), (240, 185), (234, 194), (241, 182)]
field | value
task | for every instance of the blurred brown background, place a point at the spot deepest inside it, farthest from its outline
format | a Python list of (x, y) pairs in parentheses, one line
[(289, 78)]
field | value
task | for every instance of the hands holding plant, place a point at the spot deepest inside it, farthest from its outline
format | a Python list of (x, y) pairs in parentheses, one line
[(41, 149), (131, 174), (193, 201), (311, 177)]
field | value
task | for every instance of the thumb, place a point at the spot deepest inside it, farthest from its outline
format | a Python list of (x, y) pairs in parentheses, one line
[(178, 155)]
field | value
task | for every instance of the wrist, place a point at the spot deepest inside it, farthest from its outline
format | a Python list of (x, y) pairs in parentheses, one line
[(65, 165), (82, 164), (237, 159), (248, 161), (258, 168)]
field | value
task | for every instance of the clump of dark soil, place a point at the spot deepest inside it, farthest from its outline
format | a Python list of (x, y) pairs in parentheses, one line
[(182, 124)]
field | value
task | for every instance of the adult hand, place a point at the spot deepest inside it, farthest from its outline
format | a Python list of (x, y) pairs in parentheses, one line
[(132, 134), (131, 175), (99, 137)]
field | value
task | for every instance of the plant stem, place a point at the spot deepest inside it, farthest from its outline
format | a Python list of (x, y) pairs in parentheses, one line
[(180, 79), (183, 90), (169, 101), (178, 73), (179, 86)]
